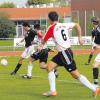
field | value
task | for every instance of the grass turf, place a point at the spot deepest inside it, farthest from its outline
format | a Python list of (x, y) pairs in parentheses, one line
[(16, 88)]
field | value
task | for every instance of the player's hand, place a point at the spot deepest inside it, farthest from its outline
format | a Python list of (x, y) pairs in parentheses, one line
[(81, 42)]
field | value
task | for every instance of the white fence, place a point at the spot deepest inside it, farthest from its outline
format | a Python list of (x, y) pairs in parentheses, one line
[(74, 41)]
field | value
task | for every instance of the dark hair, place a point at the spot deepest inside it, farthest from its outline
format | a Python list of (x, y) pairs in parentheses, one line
[(95, 20), (37, 26), (53, 16), (26, 24)]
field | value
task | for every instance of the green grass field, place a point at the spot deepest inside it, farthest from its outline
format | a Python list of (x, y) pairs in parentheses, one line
[(16, 88)]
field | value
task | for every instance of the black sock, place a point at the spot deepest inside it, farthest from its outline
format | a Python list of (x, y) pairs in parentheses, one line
[(95, 75), (55, 70), (17, 67), (90, 57)]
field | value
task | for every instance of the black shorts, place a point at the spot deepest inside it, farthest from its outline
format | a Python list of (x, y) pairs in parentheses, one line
[(65, 58), (42, 55)]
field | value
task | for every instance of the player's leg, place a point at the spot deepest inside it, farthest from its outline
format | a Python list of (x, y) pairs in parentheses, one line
[(56, 60), (95, 72), (51, 77), (26, 54), (70, 65), (23, 56), (29, 69), (75, 74), (17, 66), (32, 58), (90, 57), (43, 56), (95, 69)]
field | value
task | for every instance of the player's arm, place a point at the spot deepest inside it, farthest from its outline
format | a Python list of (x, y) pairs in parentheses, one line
[(79, 31), (48, 34), (20, 41)]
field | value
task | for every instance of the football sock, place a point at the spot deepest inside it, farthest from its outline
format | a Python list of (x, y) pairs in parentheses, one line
[(51, 78), (29, 71), (95, 75), (17, 67), (86, 83), (90, 57)]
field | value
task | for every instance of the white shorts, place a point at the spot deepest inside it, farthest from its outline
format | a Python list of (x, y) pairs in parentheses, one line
[(28, 52), (97, 59)]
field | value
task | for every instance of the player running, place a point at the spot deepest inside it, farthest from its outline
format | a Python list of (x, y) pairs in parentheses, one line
[(29, 47), (41, 54), (95, 37), (59, 33)]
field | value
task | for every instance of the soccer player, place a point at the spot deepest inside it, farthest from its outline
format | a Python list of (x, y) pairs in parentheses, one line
[(95, 67), (29, 47), (95, 37), (59, 33), (41, 54)]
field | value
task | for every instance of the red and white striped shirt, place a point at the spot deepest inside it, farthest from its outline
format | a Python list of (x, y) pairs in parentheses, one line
[(60, 34)]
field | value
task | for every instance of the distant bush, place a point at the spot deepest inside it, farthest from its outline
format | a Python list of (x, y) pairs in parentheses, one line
[(7, 5), (7, 27)]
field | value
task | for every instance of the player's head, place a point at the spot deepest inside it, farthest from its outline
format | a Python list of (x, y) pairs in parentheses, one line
[(37, 26), (95, 20), (26, 26), (53, 16)]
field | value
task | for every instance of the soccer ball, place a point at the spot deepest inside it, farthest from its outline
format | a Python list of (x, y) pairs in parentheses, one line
[(4, 62)]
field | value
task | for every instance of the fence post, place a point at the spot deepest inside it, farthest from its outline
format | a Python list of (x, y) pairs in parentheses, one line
[(85, 22)]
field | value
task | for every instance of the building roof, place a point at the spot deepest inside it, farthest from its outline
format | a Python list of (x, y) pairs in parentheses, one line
[(33, 13)]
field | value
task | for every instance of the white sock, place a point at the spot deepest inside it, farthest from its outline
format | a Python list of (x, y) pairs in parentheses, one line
[(86, 83), (29, 71), (51, 78)]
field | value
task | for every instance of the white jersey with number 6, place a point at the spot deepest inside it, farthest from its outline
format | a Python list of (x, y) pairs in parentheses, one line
[(60, 34)]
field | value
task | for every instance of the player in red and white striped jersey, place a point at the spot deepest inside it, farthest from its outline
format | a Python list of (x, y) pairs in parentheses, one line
[(60, 34)]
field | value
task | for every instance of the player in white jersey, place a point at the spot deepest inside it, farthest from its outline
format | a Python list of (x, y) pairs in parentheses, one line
[(41, 54), (59, 32)]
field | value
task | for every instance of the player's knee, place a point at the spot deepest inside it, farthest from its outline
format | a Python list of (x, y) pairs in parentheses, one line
[(43, 65), (75, 74), (96, 64)]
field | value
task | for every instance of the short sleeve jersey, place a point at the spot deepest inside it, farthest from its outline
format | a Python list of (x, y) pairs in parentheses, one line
[(96, 35), (29, 37), (60, 34), (40, 37)]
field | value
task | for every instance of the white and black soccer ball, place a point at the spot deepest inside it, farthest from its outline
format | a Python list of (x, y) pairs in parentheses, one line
[(4, 62)]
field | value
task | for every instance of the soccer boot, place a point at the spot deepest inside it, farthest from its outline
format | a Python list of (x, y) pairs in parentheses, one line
[(13, 73), (97, 92), (26, 77), (48, 94)]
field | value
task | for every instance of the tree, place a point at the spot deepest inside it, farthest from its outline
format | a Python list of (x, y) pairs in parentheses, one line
[(7, 27), (7, 5), (35, 2)]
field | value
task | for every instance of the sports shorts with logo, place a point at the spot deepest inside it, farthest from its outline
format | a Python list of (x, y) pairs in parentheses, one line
[(65, 58)]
